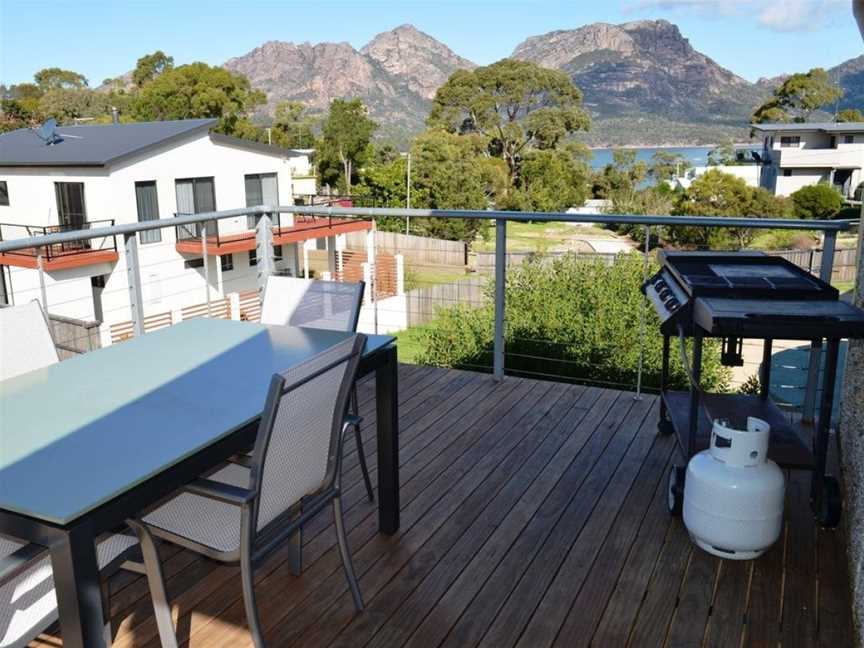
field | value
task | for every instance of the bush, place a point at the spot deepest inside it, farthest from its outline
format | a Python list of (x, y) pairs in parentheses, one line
[(819, 201), (569, 319)]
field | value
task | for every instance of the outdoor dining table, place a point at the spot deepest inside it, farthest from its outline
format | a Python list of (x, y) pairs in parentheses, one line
[(92, 441)]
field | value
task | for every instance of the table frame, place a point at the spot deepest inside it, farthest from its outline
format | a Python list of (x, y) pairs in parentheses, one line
[(73, 547)]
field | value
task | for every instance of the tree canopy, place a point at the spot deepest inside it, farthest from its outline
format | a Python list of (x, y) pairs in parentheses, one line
[(798, 97), (666, 165), (198, 90), (292, 125), (150, 66), (345, 140), (850, 115), (514, 105), (55, 78)]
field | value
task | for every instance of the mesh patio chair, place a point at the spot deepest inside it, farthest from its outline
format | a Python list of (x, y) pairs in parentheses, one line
[(28, 603), (332, 305), (27, 342), (241, 513)]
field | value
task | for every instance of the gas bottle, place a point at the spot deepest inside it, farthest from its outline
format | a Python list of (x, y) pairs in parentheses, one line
[(733, 494)]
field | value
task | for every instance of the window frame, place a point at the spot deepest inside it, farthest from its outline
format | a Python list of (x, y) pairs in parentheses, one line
[(58, 190), (193, 264), (226, 262), (848, 139), (253, 258), (149, 236), (4, 193), (252, 220), (790, 141)]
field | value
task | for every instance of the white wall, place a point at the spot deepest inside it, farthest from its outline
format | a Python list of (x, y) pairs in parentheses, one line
[(787, 185), (167, 284)]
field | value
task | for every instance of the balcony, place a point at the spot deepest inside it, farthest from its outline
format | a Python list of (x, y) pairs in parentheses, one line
[(303, 228), (533, 514), (825, 158), (61, 256)]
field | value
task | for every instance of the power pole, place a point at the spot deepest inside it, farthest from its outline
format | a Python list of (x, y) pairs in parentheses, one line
[(408, 194)]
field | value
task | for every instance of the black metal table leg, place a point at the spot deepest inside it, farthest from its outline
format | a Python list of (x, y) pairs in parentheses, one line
[(386, 397), (79, 594)]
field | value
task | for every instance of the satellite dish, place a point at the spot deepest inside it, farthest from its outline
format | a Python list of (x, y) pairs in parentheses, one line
[(47, 132)]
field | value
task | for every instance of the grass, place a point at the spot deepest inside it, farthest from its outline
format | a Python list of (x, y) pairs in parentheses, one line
[(541, 237), (420, 276), (409, 344)]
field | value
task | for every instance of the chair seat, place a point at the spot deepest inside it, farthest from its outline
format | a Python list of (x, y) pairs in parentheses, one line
[(28, 604), (203, 520)]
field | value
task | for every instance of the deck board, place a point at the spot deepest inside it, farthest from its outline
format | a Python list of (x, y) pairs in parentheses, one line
[(533, 514)]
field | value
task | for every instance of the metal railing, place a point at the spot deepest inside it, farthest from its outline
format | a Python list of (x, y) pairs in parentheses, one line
[(16, 232), (195, 223)]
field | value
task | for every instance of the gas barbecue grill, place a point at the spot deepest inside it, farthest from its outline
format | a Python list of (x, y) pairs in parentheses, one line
[(734, 296)]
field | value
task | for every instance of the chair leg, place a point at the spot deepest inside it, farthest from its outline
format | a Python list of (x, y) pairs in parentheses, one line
[(156, 582), (248, 577), (107, 630), (295, 552), (347, 564), (361, 454)]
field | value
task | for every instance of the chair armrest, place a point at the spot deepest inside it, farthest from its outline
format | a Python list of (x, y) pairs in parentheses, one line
[(19, 561), (220, 491)]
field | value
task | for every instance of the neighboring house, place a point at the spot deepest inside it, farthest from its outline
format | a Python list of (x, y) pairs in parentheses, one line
[(94, 176), (796, 155)]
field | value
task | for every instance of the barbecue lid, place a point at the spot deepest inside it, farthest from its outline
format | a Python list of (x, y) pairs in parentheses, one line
[(744, 275)]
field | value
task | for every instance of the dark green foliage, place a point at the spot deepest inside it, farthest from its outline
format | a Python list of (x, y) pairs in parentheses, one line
[(751, 386), (345, 142), (819, 201), (150, 66), (798, 97), (569, 319), (198, 90)]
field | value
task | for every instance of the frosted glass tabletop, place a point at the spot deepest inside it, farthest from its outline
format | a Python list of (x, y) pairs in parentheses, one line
[(79, 433)]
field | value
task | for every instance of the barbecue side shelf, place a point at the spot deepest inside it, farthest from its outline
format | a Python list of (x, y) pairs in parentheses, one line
[(788, 446)]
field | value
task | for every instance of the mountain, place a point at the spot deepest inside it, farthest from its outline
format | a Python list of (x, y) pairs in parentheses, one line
[(645, 68), (850, 76), (396, 75)]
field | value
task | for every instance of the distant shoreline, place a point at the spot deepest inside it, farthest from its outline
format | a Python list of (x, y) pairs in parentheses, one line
[(634, 147)]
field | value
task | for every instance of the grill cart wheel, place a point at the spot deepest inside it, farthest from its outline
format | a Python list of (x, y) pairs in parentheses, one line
[(831, 505), (664, 426), (675, 502)]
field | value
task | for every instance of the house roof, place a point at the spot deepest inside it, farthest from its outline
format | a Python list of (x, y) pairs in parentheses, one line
[(819, 127), (94, 145)]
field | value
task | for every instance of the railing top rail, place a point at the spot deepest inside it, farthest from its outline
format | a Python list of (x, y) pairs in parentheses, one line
[(372, 212)]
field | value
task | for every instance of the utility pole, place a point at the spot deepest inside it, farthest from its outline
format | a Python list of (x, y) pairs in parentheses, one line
[(408, 194)]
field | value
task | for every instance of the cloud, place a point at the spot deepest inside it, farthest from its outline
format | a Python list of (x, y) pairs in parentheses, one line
[(776, 15)]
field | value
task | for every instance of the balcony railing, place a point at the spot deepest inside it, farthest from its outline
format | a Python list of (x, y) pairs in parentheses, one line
[(52, 251)]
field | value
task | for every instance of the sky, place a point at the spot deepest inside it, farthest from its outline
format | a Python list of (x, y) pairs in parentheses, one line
[(753, 38)]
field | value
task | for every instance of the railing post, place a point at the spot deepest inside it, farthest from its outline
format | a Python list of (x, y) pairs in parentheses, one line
[(645, 268), (264, 252), (826, 270), (206, 268), (133, 280), (43, 291), (500, 279)]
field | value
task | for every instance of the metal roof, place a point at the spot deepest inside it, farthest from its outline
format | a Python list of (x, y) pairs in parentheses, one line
[(822, 127), (94, 145)]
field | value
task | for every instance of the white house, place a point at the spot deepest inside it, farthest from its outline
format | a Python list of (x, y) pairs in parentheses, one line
[(92, 176), (749, 173), (796, 155)]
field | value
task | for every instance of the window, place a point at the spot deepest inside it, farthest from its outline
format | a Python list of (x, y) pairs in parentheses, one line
[(253, 258), (227, 261), (193, 263), (261, 189), (4, 294), (790, 141), (833, 142), (787, 172), (4, 193), (70, 204), (847, 139), (195, 196), (277, 253), (148, 210)]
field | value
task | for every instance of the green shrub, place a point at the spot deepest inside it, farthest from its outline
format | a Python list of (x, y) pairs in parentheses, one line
[(569, 319), (819, 201)]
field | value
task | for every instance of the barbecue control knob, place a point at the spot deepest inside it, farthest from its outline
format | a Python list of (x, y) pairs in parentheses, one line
[(659, 284), (665, 294), (672, 304)]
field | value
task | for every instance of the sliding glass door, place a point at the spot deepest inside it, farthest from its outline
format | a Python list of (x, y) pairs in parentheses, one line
[(261, 189), (195, 196)]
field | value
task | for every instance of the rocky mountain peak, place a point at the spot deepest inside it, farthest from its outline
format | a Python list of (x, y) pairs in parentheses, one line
[(424, 62)]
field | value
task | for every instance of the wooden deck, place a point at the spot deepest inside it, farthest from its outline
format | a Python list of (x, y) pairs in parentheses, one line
[(533, 515)]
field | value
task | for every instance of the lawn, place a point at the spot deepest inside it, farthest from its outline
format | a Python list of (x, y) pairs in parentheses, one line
[(541, 237)]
